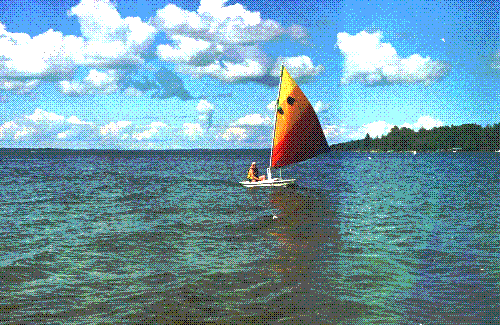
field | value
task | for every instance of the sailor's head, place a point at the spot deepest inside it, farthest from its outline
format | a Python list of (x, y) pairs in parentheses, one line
[(254, 164)]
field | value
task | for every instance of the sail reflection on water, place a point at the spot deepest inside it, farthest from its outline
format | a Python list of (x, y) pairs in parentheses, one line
[(307, 242)]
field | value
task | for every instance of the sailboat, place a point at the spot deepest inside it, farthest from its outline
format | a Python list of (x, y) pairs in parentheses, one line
[(297, 134)]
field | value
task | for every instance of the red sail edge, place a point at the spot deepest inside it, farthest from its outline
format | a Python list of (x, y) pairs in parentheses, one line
[(304, 141), (298, 135)]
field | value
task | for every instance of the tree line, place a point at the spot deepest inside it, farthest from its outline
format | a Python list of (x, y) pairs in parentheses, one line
[(466, 137)]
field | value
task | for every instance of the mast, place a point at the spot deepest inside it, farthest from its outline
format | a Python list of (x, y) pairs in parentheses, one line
[(275, 117)]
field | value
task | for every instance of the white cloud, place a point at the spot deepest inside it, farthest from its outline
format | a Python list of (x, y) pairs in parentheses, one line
[(369, 61), (185, 49), (234, 133), (43, 128), (300, 67), (154, 129), (204, 106), (113, 129), (109, 39), (19, 86), (158, 82), (426, 122), (227, 71), (63, 135), (375, 129), (379, 128), (96, 82), (207, 109), (495, 61), (26, 131), (216, 22), (40, 116), (199, 39), (333, 131), (7, 126), (108, 42), (193, 130), (223, 42), (321, 107), (131, 91), (271, 106), (253, 120), (49, 54), (75, 120)]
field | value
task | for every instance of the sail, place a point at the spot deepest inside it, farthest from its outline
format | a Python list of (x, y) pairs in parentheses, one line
[(298, 135)]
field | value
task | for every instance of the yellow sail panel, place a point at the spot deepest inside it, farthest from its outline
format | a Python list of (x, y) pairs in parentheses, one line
[(298, 134)]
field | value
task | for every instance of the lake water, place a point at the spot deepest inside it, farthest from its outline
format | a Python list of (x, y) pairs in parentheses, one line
[(171, 237)]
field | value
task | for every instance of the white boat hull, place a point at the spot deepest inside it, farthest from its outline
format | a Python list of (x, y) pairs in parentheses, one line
[(269, 182)]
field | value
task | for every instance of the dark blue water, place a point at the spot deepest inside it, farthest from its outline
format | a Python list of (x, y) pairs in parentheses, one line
[(171, 237)]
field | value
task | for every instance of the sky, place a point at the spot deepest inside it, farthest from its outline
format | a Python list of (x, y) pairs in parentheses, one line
[(205, 74)]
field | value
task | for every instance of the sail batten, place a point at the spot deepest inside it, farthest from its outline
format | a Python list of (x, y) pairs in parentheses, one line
[(298, 135)]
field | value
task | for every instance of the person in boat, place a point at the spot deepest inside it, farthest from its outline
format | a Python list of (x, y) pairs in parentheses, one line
[(253, 174)]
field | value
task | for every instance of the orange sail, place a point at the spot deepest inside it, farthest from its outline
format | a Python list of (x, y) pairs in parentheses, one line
[(298, 135)]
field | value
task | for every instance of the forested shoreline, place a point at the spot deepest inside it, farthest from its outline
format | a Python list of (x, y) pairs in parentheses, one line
[(466, 137)]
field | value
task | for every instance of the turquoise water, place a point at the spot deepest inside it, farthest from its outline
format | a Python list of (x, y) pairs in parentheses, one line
[(171, 237)]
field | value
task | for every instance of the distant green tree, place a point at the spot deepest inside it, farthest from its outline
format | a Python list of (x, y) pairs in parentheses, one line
[(470, 137), (367, 142)]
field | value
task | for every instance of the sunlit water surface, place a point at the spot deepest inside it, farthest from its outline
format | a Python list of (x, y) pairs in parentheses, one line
[(171, 237)]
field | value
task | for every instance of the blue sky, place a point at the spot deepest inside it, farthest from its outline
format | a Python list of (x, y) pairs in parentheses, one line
[(188, 74)]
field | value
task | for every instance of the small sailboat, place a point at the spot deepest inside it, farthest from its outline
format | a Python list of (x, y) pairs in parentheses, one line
[(297, 134)]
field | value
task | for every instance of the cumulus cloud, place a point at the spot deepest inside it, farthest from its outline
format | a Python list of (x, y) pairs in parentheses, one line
[(495, 61), (19, 86), (375, 129), (271, 106), (207, 111), (227, 71), (48, 55), (217, 22), (40, 116), (333, 131), (109, 39), (75, 120), (44, 127), (321, 107), (300, 67), (157, 82), (193, 130), (96, 82), (26, 131), (223, 42), (234, 133), (154, 129), (48, 129), (113, 129), (425, 122), (6, 127), (252, 130), (111, 46), (379, 128), (250, 70), (253, 120), (188, 50), (218, 40), (370, 61)]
